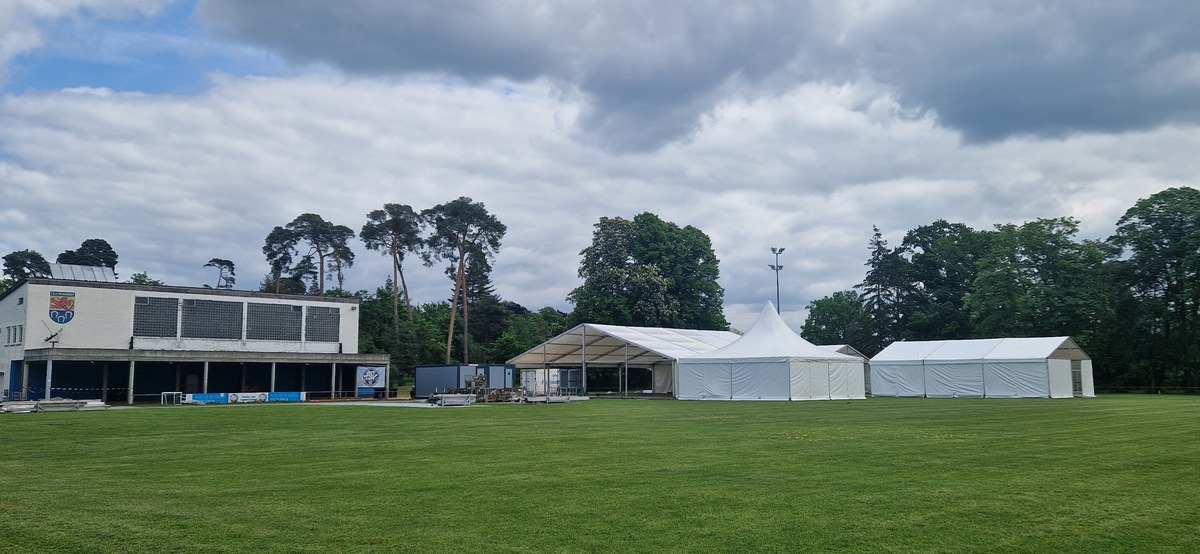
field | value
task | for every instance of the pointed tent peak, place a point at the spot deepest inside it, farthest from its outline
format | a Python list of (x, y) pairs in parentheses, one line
[(769, 319), (769, 307), (770, 336)]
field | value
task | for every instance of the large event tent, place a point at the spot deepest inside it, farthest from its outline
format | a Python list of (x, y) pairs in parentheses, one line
[(770, 362), (591, 345), (1038, 367)]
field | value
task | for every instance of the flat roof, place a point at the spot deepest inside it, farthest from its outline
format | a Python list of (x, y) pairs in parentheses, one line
[(115, 355), (175, 290)]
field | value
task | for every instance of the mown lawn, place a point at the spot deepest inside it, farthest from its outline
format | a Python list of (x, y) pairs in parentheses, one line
[(1116, 473)]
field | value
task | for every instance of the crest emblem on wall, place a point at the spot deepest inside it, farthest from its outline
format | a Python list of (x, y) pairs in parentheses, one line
[(370, 377), (62, 306)]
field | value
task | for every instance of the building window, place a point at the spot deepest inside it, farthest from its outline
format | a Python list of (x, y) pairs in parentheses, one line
[(20, 300), (20, 334), (273, 322), (155, 317), (322, 324), (211, 319)]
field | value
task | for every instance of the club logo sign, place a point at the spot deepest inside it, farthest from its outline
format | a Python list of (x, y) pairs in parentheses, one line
[(371, 377), (62, 307)]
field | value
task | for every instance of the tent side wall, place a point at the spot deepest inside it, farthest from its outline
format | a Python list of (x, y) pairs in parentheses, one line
[(760, 379), (705, 380), (1016, 379), (954, 379), (809, 380), (897, 379), (847, 380)]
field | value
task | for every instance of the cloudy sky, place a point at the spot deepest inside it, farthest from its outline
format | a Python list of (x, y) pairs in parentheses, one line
[(185, 130)]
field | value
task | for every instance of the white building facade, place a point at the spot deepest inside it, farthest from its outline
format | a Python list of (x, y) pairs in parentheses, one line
[(119, 341)]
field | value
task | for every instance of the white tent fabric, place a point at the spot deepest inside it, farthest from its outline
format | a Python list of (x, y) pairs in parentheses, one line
[(590, 345), (770, 362), (1045, 367), (851, 351)]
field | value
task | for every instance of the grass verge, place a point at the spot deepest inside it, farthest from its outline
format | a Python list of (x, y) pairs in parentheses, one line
[(1115, 473)]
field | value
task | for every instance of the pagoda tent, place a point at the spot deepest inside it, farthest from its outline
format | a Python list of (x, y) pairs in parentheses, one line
[(770, 362)]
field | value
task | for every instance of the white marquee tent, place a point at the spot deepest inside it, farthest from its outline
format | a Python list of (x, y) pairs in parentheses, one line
[(591, 345), (1038, 367), (770, 362)]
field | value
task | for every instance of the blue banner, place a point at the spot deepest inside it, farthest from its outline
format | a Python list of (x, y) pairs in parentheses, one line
[(244, 397)]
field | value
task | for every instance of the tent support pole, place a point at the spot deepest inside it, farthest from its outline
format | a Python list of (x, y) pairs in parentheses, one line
[(583, 358), (627, 369)]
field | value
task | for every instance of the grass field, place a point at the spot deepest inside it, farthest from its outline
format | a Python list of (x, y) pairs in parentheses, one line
[(1116, 473)]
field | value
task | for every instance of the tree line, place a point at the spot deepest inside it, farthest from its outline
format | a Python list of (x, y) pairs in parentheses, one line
[(1132, 301), (642, 271)]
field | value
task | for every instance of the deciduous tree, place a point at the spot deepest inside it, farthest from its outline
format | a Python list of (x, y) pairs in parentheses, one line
[(1159, 242), (838, 319), (141, 278), (943, 260), (649, 272)]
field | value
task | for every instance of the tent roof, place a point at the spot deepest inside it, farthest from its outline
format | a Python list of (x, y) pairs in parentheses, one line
[(843, 349), (770, 337), (1031, 348), (616, 344)]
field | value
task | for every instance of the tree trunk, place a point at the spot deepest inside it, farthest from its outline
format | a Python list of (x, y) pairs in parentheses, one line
[(320, 272), (407, 299), (395, 295), (458, 280), (466, 333)]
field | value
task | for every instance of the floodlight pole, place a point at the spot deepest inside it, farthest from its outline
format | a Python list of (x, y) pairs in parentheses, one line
[(776, 267)]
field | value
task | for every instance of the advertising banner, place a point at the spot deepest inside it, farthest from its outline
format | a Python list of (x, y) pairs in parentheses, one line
[(243, 397)]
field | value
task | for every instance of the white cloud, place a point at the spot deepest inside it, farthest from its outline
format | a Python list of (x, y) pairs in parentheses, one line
[(172, 181)]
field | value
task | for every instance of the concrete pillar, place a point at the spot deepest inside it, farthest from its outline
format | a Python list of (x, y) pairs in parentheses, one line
[(49, 373), (272, 376), (129, 400), (333, 380), (205, 378), (104, 385)]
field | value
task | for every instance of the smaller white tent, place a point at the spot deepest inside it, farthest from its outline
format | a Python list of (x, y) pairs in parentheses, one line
[(1037, 367), (770, 362)]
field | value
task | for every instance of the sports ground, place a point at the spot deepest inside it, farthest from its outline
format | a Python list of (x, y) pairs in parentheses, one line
[(1109, 474)]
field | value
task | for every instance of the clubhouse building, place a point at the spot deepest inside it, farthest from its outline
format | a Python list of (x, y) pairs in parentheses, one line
[(81, 334)]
